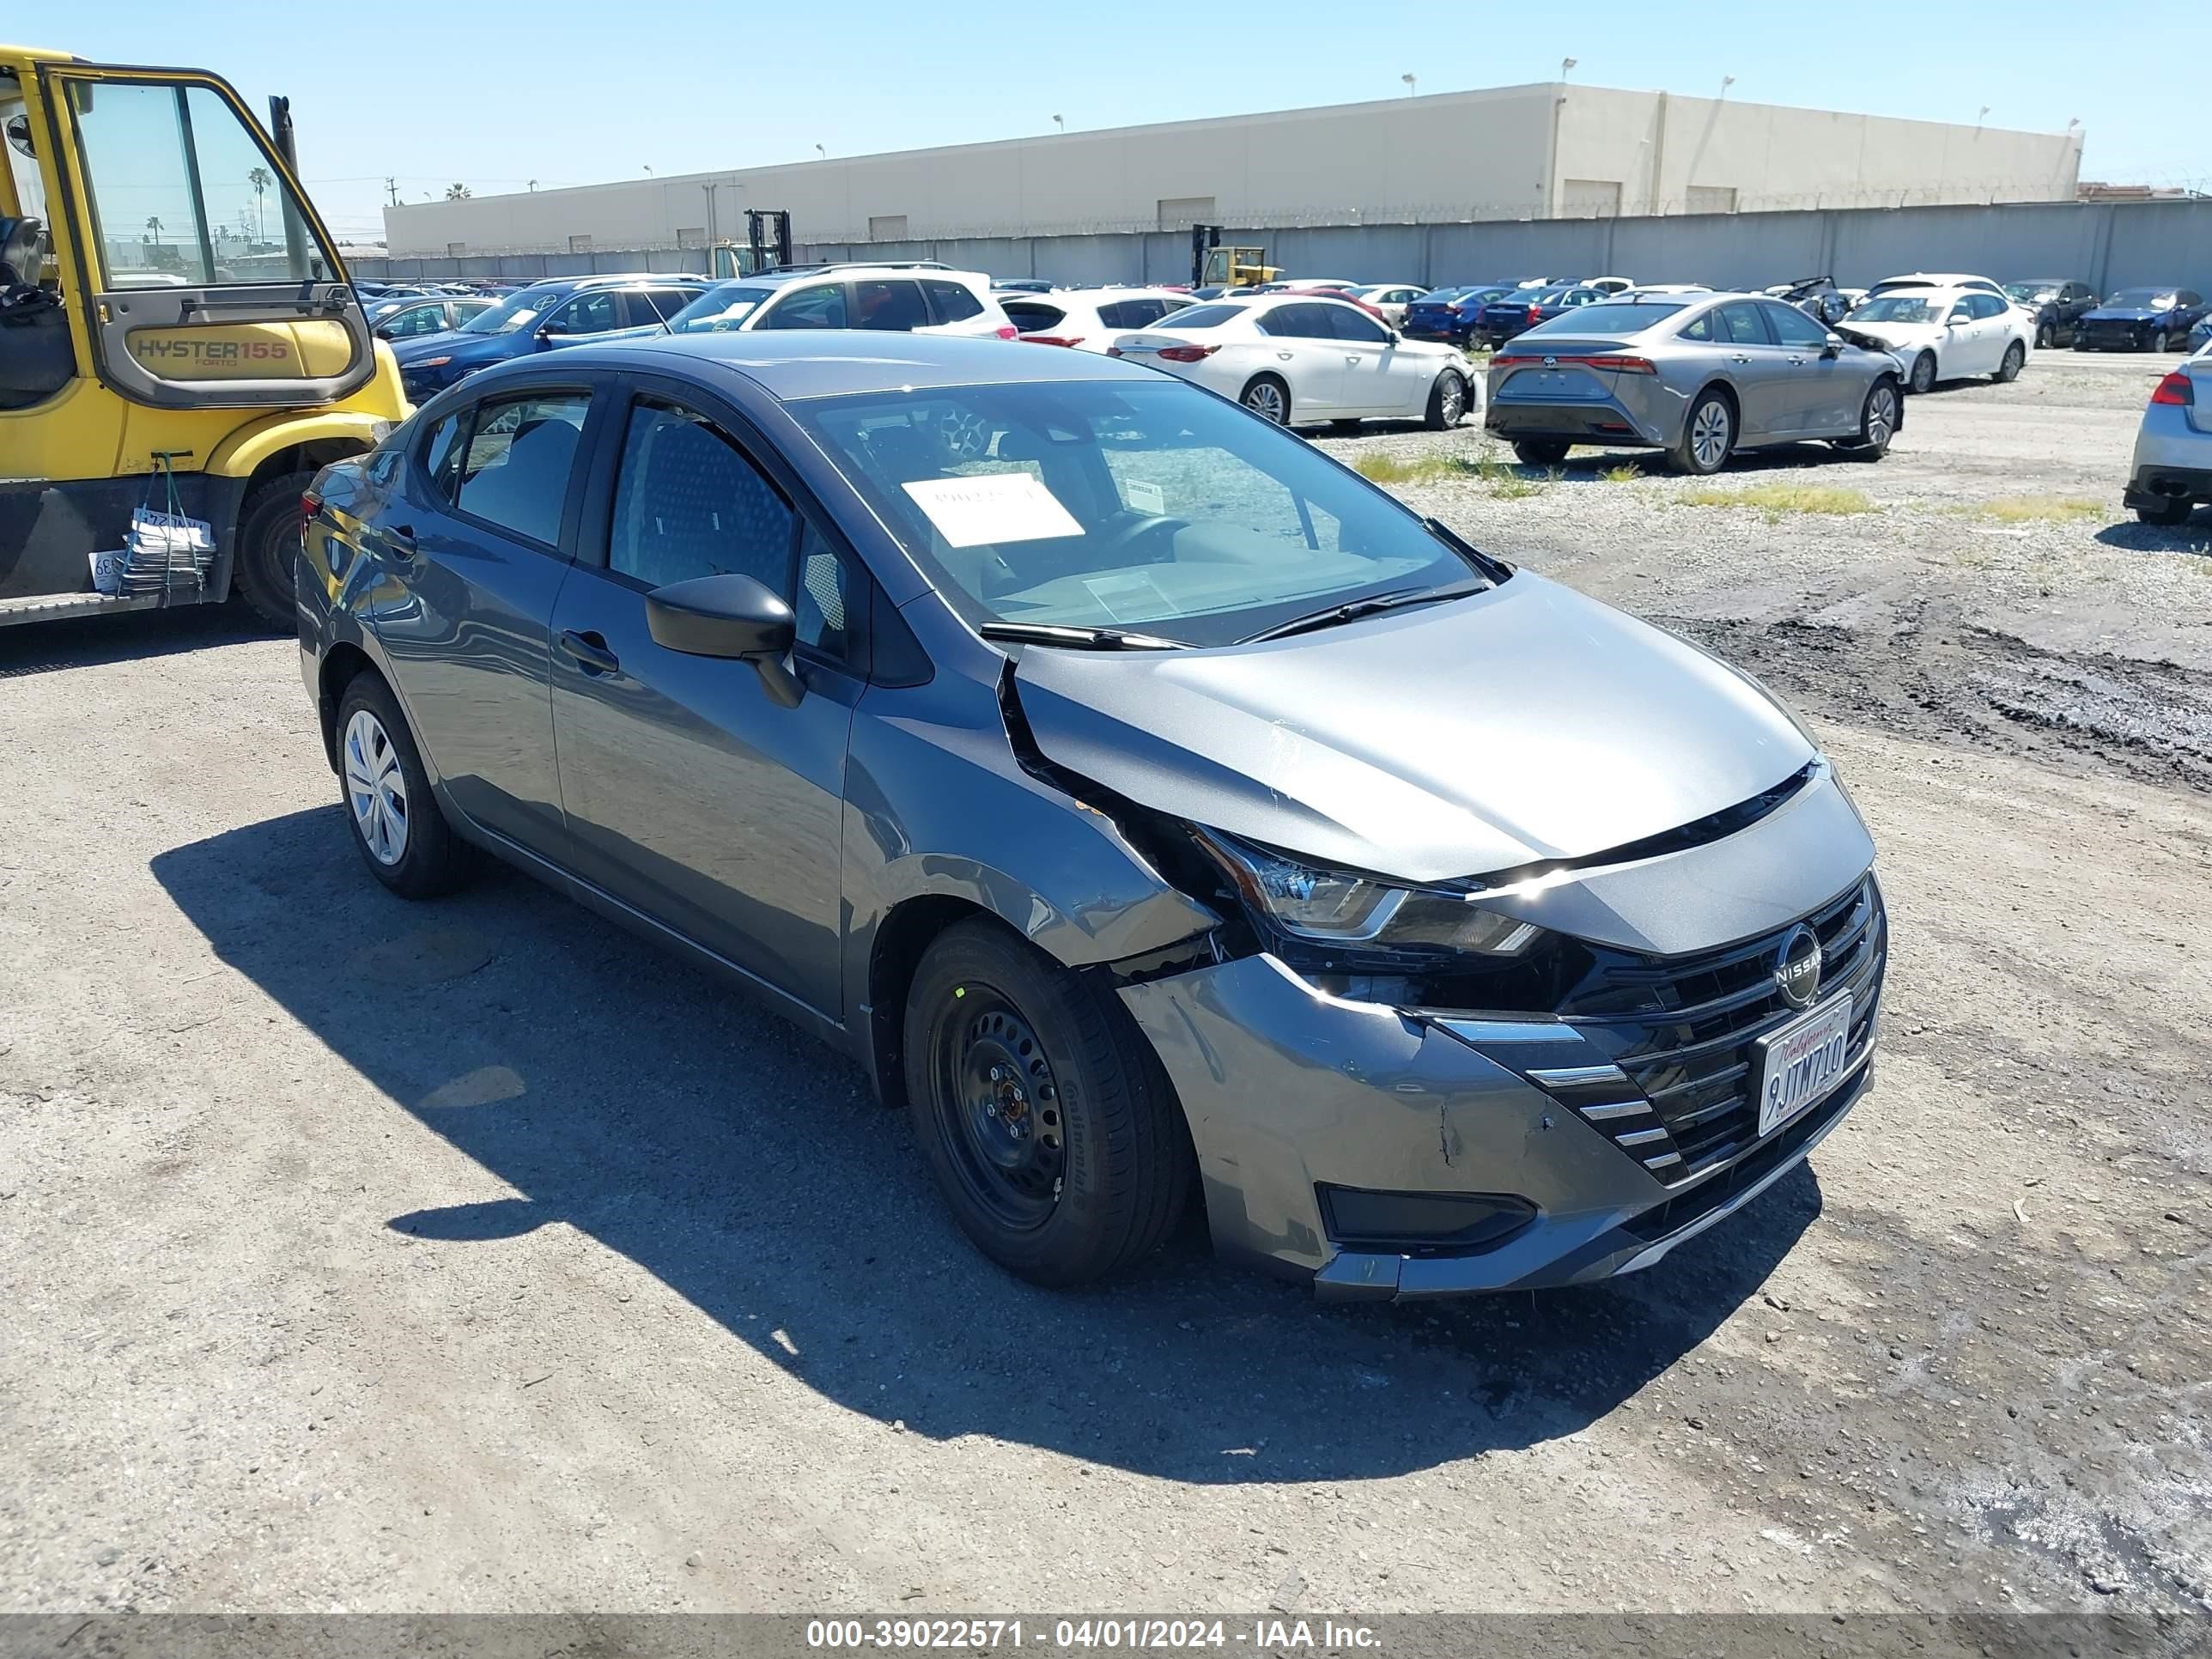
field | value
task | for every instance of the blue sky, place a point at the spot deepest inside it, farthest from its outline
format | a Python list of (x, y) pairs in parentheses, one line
[(571, 92)]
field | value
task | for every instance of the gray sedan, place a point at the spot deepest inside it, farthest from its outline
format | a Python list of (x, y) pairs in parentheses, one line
[(1699, 376), (1158, 810)]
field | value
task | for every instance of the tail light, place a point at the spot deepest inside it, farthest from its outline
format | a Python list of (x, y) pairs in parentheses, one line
[(311, 503), (1612, 363), (1054, 339), (1113, 351), (2176, 388), (1006, 331), (1187, 354), (1535, 313)]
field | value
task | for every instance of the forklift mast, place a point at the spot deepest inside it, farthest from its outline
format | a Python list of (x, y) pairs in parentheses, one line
[(1202, 238), (768, 232)]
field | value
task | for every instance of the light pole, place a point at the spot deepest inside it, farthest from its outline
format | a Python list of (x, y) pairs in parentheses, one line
[(1551, 205), (1060, 121), (821, 152), (1727, 80), (1408, 80), (1566, 64)]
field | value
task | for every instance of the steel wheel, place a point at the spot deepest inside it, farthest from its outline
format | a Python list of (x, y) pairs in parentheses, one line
[(1267, 400), (376, 789), (1712, 435), (1000, 1103)]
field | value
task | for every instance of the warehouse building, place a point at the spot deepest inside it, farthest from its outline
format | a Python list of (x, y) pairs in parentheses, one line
[(1549, 151)]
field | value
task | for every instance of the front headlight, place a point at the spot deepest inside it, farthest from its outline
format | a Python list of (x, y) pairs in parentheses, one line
[(1332, 907), (430, 362)]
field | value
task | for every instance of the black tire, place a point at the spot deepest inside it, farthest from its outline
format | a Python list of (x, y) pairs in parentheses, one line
[(2008, 371), (263, 568), (1924, 374), (1877, 421), (432, 860), (1113, 1186), (1541, 452), (2156, 341), (1687, 455), (1447, 402), (2045, 337), (2170, 510), (1267, 397), (2080, 343)]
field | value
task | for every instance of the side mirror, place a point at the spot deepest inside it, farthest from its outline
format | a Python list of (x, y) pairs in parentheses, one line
[(731, 616), (383, 333)]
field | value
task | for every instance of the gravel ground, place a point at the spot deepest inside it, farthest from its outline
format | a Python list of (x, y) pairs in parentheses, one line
[(476, 1256)]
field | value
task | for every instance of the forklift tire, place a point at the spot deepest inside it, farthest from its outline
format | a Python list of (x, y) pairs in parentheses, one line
[(263, 569)]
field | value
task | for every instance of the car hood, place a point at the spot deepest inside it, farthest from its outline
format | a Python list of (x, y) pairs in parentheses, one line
[(469, 347), (2120, 314), (1524, 723), (1891, 334)]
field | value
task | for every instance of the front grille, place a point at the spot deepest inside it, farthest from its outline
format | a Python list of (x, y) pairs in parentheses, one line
[(1683, 1028)]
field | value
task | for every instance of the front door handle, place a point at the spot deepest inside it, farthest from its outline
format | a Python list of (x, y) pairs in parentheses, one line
[(1742, 357), (400, 539), (1351, 358), (590, 653)]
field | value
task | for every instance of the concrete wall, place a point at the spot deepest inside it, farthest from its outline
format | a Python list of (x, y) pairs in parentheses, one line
[(1509, 153), (2109, 246)]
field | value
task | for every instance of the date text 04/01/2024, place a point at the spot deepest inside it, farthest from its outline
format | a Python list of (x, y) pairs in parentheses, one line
[(974, 1634)]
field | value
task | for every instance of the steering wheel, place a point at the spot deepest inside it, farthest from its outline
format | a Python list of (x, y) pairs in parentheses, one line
[(1142, 524)]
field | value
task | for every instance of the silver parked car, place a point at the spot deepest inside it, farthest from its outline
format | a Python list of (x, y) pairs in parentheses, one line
[(2172, 471), (1700, 376), (1152, 807)]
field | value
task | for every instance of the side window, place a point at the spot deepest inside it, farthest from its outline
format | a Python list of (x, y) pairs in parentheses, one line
[(1032, 316), (831, 599), (893, 304), (949, 302), (689, 503), (418, 319), (2189, 297), (441, 455), (822, 305), (1303, 322), (667, 301), (1698, 328), (520, 454), (1792, 327), (594, 312), (1741, 324), (1352, 324)]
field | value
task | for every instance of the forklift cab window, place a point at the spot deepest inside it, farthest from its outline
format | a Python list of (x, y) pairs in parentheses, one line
[(183, 194), (30, 201)]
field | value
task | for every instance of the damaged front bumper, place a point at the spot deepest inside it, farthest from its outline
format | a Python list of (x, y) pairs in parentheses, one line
[(1294, 1095)]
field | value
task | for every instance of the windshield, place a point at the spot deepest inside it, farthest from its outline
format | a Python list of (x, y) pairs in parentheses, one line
[(1602, 317), (516, 311), (1160, 508), (1900, 309), (725, 306), (2032, 293), (1200, 317), (2141, 299)]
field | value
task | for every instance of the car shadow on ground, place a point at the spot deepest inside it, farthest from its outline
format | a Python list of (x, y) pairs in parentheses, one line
[(2192, 535), (623, 1093), (128, 636), (1598, 466)]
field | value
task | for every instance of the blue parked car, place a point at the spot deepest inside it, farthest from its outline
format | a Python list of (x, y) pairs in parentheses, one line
[(1448, 313), (2140, 319), (1523, 308), (559, 311)]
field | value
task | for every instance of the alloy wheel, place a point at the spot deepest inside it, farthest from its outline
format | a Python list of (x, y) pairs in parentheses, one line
[(1265, 399), (1453, 401), (1711, 435), (1882, 415), (376, 789), (1923, 372)]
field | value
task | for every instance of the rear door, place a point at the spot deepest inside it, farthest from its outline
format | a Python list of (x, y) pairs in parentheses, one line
[(692, 795), (1306, 354), (212, 283), (893, 305), (474, 546), (1759, 367)]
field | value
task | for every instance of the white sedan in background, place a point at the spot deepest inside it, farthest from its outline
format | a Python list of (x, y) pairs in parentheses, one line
[(1088, 319), (1305, 358), (1944, 333), (1391, 298)]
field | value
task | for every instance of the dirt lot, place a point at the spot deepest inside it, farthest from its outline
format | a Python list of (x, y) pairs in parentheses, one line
[(359, 1255)]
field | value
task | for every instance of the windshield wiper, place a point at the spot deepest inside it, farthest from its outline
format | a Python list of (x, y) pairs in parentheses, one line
[(1496, 568), (1080, 639), (1351, 610)]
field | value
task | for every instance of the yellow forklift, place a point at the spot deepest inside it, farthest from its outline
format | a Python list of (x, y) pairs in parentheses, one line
[(1214, 264), (180, 347)]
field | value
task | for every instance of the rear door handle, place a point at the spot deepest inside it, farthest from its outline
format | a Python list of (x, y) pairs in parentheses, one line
[(590, 652), (400, 538), (1742, 357)]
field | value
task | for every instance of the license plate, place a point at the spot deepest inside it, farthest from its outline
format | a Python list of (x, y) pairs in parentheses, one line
[(1801, 1062)]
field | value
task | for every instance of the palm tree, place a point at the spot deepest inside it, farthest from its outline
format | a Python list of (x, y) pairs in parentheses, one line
[(154, 229), (260, 179), (458, 192)]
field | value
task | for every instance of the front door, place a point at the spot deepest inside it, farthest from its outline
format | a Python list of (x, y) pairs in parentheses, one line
[(476, 546), (211, 282), (1824, 394), (691, 793), (1379, 379)]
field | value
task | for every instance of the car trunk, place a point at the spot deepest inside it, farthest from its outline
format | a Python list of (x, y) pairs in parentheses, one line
[(1546, 370)]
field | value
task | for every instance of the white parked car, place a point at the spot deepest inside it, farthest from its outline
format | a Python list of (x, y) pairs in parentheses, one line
[(1089, 319), (1943, 333), (1391, 298), (1303, 357), (899, 299)]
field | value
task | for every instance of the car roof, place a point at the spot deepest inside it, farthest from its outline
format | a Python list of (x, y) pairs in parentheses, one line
[(793, 364)]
